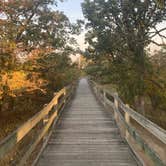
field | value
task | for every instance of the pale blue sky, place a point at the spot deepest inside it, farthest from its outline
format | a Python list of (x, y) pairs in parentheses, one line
[(72, 8)]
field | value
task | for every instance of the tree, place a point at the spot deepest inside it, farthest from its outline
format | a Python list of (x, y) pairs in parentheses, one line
[(121, 30), (156, 86), (29, 31)]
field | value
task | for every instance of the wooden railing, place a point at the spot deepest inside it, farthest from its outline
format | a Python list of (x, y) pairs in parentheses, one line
[(146, 139), (36, 129)]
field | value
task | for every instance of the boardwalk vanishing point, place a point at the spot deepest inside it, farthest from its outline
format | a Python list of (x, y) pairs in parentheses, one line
[(86, 135)]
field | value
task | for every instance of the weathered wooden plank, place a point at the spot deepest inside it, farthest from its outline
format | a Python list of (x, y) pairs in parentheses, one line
[(41, 135), (147, 124), (44, 131), (86, 134), (131, 132)]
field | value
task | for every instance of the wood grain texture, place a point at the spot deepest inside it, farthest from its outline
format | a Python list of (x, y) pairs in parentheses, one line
[(146, 140), (86, 135), (153, 128)]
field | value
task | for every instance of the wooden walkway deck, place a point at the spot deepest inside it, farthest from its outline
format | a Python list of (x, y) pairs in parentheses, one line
[(86, 135)]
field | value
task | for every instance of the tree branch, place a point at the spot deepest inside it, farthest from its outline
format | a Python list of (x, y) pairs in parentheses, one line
[(157, 32), (158, 44)]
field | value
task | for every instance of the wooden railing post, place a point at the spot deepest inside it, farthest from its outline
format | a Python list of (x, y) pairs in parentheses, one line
[(129, 123), (116, 106), (46, 117), (65, 93), (116, 116), (127, 120), (96, 90), (104, 97)]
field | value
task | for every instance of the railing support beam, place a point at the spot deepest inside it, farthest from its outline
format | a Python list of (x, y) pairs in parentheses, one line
[(124, 117)]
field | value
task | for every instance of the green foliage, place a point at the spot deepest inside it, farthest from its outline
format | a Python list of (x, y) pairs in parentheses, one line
[(120, 31), (156, 82), (56, 69), (37, 40)]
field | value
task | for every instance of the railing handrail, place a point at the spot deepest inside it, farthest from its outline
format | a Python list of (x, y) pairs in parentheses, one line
[(17, 135), (123, 115), (153, 128)]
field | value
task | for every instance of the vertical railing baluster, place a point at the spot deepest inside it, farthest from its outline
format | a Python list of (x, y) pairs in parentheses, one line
[(116, 106), (127, 120), (104, 97)]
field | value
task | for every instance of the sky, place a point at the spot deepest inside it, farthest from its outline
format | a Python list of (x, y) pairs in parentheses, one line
[(73, 10)]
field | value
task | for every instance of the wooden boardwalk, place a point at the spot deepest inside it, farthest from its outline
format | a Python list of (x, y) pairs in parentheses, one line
[(86, 135)]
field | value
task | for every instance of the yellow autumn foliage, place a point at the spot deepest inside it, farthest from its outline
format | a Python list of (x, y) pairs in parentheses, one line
[(17, 81)]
